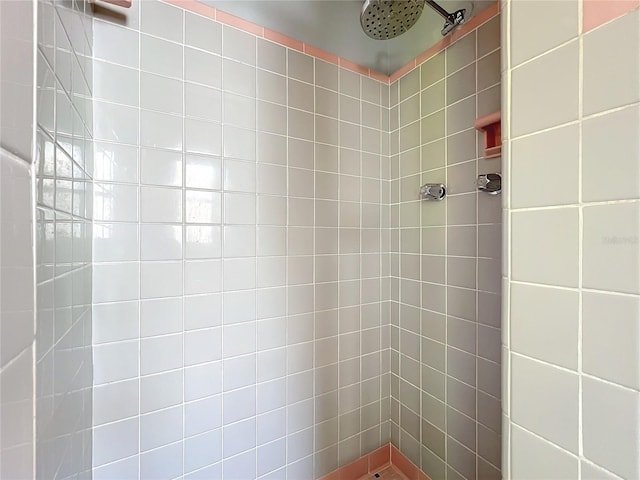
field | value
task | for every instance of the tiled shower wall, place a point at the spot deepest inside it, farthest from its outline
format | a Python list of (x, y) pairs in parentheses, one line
[(241, 254), (445, 264), (17, 329), (571, 326), (64, 165)]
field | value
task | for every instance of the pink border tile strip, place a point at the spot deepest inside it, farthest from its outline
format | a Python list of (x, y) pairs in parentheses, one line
[(371, 463), (597, 12), (376, 461), (231, 20)]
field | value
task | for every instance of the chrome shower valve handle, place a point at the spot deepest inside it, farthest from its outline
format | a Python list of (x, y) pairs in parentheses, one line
[(433, 191)]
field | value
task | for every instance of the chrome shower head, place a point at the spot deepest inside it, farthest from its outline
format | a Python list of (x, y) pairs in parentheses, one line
[(385, 19)]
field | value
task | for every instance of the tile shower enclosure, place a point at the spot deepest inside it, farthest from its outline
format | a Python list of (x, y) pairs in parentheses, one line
[(270, 298)]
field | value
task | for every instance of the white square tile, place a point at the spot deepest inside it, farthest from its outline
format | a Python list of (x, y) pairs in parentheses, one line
[(203, 276), (160, 167), (239, 78), (547, 243), (115, 441), (160, 279), (202, 67), (612, 137), (113, 162), (202, 346), (202, 451), (160, 56), (119, 123), (115, 242), (541, 100), (202, 206), (560, 27), (202, 137), (202, 102), (115, 282), (239, 208), (610, 251), (239, 110), (545, 323), (239, 339), (611, 347), (116, 44), (620, 84), (160, 204), (239, 176), (203, 33), (203, 172), (239, 273), (537, 388), (239, 241), (115, 361), (610, 427), (160, 428), (161, 130), (161, 94), (202, 380), (109, 80), (554, 151), (162, 20), (202, 241), (532, 457)]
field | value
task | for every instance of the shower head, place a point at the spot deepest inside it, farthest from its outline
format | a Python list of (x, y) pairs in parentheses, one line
[(385, 19)]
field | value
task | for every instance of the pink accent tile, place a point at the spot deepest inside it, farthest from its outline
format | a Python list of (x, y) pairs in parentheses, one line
[(403, 464), (244, 25), (355, 470), (354, 67), (387, 473), (335, 475), (597, 12), (379, 458), (321, 54), (283, 40), (402, 71), (381, 77), (194, 7), (423, 476)]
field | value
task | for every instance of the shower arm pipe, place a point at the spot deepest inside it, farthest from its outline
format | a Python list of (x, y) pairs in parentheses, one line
[(441, 11)]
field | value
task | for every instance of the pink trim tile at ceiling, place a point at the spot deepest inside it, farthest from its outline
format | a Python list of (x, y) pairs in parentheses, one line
[(597, 12), (284, 40), (323, 54), (281, 39)]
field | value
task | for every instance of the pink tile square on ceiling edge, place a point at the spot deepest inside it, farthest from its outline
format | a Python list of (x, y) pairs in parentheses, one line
[(597, 12), (283, 40), (354, 67), (195, 7), (239, 23), (321, 54)]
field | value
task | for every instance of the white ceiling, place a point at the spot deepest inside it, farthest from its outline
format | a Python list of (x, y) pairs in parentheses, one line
[(334, 26)]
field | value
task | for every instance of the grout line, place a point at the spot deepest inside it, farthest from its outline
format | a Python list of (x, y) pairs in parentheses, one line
[(580, 234)]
